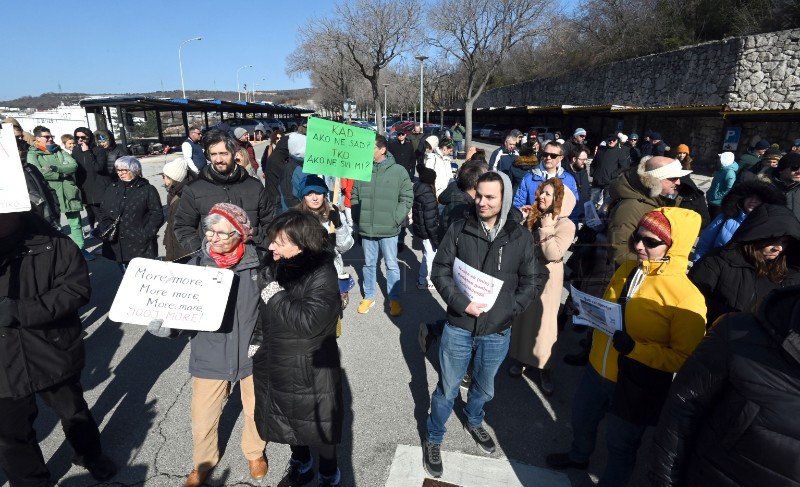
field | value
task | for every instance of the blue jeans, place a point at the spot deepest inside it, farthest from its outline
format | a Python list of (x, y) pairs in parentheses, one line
[(455, 351), (588, 408), (458, 146), (622, 439), (388, 247)]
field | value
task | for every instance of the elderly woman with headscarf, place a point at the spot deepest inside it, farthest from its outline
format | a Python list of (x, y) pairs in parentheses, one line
[(219, 359), (134, 205)]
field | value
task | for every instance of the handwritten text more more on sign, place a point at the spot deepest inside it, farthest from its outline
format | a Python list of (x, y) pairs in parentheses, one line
[(184, 296), (336, 149)]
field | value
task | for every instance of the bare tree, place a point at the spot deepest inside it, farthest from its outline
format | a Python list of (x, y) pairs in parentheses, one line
[(480, 37), (371, 34)]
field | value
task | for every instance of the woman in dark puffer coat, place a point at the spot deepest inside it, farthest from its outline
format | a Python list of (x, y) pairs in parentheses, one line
[(763, 255), (296, 368), (425, 222), (731, 416)]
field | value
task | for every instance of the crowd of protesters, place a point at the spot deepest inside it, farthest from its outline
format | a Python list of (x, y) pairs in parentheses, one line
[(536, 215)]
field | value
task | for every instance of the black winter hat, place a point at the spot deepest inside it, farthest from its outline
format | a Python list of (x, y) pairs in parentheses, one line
[(427, 175)]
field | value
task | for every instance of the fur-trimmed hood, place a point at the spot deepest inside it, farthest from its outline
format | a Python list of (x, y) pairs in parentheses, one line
[(650, 184), (767, 193), (526, 162), (289, 271)]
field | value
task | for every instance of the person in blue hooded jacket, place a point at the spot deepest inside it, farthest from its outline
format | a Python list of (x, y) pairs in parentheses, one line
[(549, 167)]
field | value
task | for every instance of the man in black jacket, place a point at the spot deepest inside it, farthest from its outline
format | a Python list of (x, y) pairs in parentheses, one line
[(43, 283), (403, 152), (487, 242), (610, 162), (221, 181), (577, 167)]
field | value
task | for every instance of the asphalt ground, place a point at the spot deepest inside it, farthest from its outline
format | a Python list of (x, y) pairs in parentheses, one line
[(138, 389)]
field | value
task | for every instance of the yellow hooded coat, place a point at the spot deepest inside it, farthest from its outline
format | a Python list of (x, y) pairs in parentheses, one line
[(666, 317)]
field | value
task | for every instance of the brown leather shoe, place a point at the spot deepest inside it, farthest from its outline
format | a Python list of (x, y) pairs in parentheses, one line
[(258, 467), (196, 478)]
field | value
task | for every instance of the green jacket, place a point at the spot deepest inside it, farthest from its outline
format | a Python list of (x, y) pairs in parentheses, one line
[(381, 204), (458, 133), (62, 180)]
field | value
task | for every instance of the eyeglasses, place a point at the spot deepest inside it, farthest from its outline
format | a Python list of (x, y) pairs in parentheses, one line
[(583, 159), (48, 137), (83, 137), (221, 235), (581, 136), (401, 135), (122, 171), (550, 155), (793, 168), (648, 242)]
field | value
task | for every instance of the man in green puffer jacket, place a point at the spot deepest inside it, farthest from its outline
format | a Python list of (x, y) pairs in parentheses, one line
[(379, 207), (58, 168)]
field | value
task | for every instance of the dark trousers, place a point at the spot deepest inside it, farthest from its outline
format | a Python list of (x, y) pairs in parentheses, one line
[(327, 457), (93, 214), (20, 456)]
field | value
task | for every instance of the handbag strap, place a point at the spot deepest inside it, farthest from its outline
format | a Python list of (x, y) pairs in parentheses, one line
[(623, 298)]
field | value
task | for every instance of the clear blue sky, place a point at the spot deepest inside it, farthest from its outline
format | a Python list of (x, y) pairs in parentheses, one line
[(132, 46), (114, 47)]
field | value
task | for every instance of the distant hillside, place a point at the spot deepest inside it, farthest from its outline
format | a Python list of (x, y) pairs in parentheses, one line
[(52, 100)]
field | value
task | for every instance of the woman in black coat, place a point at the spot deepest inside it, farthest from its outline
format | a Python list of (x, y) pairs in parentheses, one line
[(762, 255), (92, 176), (425, 222), (296, 369), (138, 205), (731, 416)]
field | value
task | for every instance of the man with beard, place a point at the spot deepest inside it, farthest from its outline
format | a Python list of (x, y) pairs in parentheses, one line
[(577, 168), (221, 181)]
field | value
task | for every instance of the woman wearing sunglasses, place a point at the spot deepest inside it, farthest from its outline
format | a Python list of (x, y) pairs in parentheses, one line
[(762, 256), (629, 374)]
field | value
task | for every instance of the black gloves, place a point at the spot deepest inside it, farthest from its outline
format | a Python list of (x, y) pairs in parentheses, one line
[(623, 342), (9, 313), (336, 218)]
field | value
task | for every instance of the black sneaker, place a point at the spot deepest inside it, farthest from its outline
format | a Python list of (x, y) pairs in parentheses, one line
[(332, 481), (297, 474), (561, 461), (466, 382), (101, 468), (481, 437), (425, 337), (432, 459)]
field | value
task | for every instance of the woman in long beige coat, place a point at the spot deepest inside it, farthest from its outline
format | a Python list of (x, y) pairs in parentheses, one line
[(534, 332)]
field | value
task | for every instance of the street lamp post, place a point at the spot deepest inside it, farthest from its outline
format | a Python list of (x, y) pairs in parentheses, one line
[(180, 63), (385, 85), (421, 99), (254, 88), (238, 90)]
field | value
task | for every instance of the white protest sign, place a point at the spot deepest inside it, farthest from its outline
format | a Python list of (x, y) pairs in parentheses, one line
[(184, 296), (13, 188), (479, 287), (596, 312)]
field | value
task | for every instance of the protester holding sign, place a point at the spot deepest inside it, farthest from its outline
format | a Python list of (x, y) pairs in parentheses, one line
[(219, 359), (630, 374), (43, 284), (297, 371), (491, 242)]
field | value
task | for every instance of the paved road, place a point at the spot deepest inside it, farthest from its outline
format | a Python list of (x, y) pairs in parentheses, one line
[(138, 389)]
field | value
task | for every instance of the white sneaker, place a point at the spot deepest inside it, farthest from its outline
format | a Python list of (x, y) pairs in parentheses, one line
[(425, 285)]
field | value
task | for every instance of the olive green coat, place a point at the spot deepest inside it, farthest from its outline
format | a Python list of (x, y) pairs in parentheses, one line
[(62, 179)]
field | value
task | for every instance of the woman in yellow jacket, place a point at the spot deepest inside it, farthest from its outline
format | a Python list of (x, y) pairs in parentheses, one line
[(629, 374)]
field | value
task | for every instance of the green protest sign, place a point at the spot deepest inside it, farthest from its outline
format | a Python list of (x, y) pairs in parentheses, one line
[(336, 149)]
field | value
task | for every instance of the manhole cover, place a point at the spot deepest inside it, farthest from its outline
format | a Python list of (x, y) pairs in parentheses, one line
[(437, 483)]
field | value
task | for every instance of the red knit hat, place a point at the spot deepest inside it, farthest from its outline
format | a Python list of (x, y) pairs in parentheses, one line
[(656, 222), (236, 217)]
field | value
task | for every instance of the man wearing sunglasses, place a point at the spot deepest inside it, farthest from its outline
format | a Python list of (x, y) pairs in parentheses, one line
[(654, 183), (549, 167), (403, 151), (787, 179), (576, 142)]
